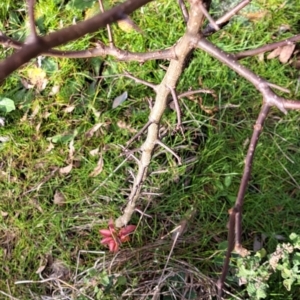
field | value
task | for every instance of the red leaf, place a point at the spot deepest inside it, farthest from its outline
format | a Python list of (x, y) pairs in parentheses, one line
[(105, 232), (113, 246), (106, 240), (127, 229)]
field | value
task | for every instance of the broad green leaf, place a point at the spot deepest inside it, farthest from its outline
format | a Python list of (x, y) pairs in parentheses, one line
[(7, 105), (228, 180), (63, 138)]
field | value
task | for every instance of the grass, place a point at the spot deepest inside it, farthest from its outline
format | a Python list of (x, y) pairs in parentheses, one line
[(34, 229)]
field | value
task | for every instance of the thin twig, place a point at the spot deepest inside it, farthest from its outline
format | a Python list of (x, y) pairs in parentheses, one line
[(205, 91), (177, 108), (100, 50), (184, 10), (109, 32), (210, 28), (158, 142), (139, 133), (146, 83), (227, 16), (209, 18), (279, 88), (267, 48)]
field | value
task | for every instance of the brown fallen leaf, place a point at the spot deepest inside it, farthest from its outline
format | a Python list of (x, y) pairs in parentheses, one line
[(49, 148), (54, 90), (255, 16), (69, 108), (274, 53), (3, 213), (66, 170), (71, 150), (94, 152), (286, 53), (59, 198), (92, 131), (98, 169), (123, 125)]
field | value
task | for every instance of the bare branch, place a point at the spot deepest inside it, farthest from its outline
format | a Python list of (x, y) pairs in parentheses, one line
[(268, 47), (260, 84), (65, 35), (100, 50), (158, 142), (138, 134), (184, 10), (109, 32), (146, 83), (234, 231), (209, 18), (184, 47), (210, 28), (177, 108)]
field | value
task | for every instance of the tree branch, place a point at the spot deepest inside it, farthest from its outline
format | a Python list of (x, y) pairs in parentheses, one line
[(182, 49), (34, 48), (268, 47), (100, 50)]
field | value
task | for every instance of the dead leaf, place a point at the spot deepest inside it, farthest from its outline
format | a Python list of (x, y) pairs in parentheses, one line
[(71, 150), (59, 198), (44, 262), (69, 108), (123, 125), (255, 16), (59, 270), (98, 169), (4, 139), (94, 152), (36, 204), (284, 28), (50, 147), (66, 170), (239, 249), (35, 110), (54, 90), (274, 53), (46, 115), (286, 53), (4, 214), (92, 131)]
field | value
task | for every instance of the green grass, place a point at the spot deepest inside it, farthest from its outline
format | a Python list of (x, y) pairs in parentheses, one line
[(32, 226)]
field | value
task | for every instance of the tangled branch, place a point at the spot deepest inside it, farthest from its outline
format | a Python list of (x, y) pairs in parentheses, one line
[(194, 38)]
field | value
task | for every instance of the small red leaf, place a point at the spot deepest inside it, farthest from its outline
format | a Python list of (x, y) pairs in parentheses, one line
[(113, 246), (106, 240), (127, 229), (105, 232)]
